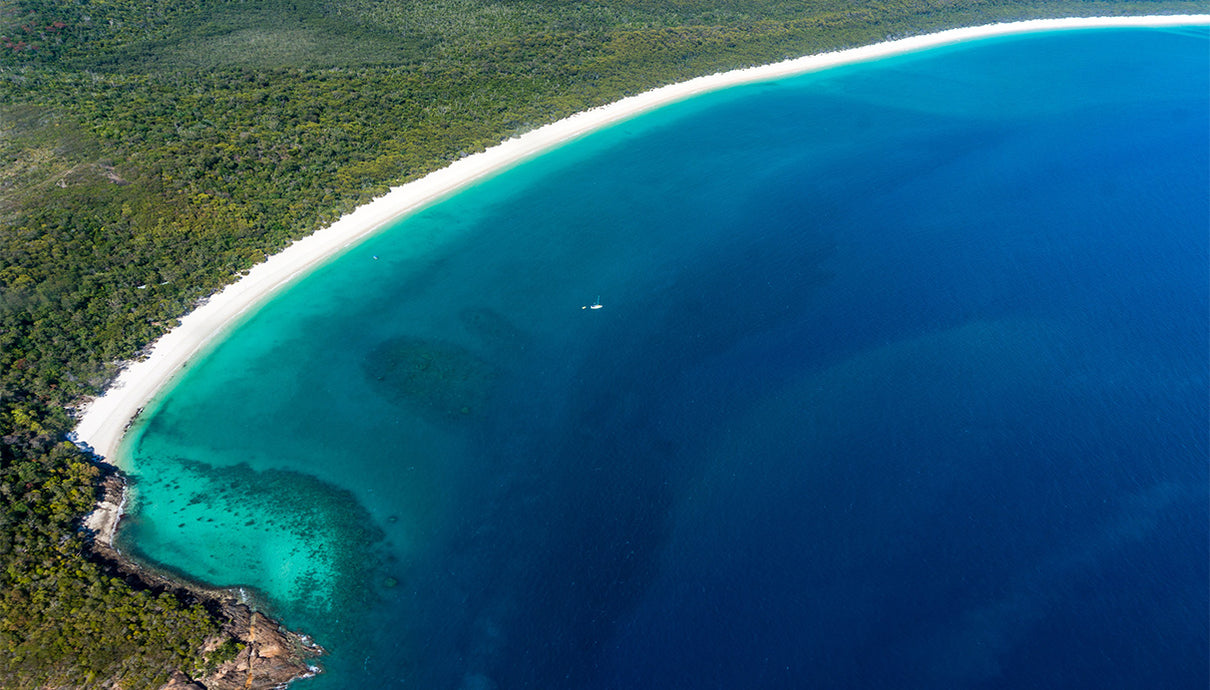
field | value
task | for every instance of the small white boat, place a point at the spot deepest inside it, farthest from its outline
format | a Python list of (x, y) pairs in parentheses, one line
[(595, 305)]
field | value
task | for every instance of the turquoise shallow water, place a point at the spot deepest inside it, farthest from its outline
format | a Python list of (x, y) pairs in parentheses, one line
[(900, 381)]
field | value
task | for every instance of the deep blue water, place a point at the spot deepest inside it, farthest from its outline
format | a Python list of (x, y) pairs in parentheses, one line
[(900, 381)]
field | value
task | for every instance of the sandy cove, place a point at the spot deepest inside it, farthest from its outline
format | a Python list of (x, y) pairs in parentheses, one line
[(105, 419)]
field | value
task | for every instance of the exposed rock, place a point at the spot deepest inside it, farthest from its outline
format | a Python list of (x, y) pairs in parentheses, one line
[(103, 521), (180, 681), (271, 656)]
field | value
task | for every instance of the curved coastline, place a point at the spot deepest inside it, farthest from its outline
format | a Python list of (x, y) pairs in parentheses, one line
[(104, 421), (112, 414)]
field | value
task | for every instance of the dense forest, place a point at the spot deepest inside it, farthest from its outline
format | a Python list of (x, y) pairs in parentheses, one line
[(154, 149)]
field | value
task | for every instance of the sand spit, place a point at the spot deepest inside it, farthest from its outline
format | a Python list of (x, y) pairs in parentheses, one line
[(105, 419)]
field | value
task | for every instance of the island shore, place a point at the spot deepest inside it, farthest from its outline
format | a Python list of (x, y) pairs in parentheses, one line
[(105, 419)]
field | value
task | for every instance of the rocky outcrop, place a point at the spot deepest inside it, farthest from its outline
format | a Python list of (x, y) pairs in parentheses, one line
[(271, 656), (103, 521), (180, 681)]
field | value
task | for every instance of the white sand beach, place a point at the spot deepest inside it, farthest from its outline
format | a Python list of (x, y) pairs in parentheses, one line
[(105, 419)]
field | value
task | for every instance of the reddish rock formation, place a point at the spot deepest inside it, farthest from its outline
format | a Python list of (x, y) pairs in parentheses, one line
[(271, 656)]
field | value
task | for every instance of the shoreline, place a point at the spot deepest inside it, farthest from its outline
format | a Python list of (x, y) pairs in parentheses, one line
[(103, 422), (105, 419), (273, 655)]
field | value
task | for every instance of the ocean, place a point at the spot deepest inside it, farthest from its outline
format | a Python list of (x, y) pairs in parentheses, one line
[(899, 379)]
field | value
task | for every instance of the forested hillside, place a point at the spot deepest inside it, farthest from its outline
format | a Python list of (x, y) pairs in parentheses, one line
[(152, 150)]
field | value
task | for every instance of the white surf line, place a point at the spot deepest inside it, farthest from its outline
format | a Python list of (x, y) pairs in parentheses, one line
[(105, 419)]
